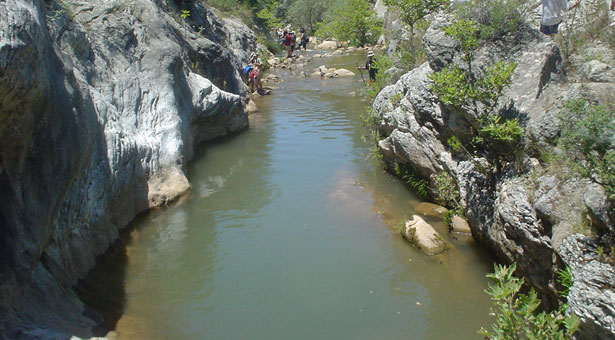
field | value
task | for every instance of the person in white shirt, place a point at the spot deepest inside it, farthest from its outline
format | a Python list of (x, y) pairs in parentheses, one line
[(552, 14)]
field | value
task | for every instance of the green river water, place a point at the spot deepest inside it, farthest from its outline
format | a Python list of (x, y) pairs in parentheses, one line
[(290, 232)]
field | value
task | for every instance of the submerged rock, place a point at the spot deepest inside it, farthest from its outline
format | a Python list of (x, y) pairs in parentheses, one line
[(430, 209), (460, 225), (423, 236)]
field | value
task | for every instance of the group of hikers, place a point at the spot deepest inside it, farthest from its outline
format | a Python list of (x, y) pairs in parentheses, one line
[(288, 39)]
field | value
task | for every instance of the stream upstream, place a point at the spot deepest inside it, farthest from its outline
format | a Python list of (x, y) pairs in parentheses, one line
[(291, 232)]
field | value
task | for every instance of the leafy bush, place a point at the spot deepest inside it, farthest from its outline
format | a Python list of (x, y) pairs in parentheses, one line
[(447, 193), (413, 11), (308, 13), (495, 18), (516, 315), (587, 137), (353, 20), (461, 88), (464, 31), (271, 44)]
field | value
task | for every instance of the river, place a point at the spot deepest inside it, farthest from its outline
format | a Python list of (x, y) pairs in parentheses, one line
[(290, 232)]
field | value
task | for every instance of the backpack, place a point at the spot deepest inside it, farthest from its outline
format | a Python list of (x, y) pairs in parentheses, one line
[(247, 69), (288, 39), (254, 74)]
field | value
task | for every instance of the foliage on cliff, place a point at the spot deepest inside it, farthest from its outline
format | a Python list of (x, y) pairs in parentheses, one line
[(588, 141), (517, 315)]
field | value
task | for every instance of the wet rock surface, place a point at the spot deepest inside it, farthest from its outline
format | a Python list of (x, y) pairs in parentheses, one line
[(422, 235), (101, 109)]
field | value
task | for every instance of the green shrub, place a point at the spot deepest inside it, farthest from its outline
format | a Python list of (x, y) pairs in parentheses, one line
[(497, 137), (588, 142), (413, 11), (447, 193), (464, 31), (353, 20), (308, 13), (516, 315), (271, 44), (495, 18)]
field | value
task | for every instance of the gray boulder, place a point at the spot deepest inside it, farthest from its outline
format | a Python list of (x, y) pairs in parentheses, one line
[(593, 289)]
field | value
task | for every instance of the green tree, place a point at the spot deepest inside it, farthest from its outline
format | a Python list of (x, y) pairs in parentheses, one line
[(267, 15), (308, 13), (516, 315), (413, 11), (588, 138), (353, 20)]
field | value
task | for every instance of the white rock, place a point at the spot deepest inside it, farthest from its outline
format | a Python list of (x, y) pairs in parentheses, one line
[(327, 45), (423, 236), (344, 73), (460, 225)]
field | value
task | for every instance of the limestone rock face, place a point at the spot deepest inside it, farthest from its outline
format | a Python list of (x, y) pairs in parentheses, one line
[(519, 218), (593, 289), (99, 113), (423, 236)]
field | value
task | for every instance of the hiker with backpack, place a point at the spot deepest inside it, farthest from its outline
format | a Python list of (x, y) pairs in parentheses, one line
[(288, 40), (255, 78), (370, 66)]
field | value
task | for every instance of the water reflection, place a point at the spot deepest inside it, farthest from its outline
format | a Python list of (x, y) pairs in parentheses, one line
[(290, 232)]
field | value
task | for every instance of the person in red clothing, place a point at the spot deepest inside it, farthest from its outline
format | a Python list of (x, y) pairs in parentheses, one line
[(287, 42), (255, 78)]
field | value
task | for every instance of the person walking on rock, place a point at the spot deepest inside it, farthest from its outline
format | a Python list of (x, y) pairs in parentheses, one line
[(552, 14), (370, 66)]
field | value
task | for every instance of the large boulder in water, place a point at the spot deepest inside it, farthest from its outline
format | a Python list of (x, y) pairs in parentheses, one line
[(423, 236), (344, 73), (327, 45)]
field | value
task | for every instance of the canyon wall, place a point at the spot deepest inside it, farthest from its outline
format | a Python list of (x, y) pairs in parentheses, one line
[(528, 215), (101, 106)]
